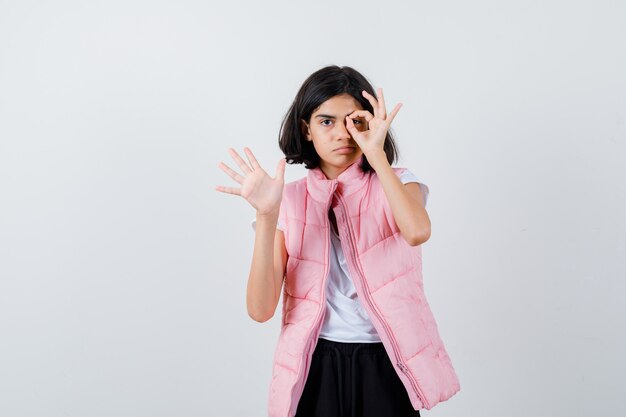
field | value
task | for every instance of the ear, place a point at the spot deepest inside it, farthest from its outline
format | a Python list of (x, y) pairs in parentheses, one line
[(304, 127)]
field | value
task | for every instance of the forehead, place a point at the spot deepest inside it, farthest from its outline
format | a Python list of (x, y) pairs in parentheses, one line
[(343, 103)]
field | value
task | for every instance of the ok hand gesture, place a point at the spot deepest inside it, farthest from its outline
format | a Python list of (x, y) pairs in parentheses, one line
[(372, 140)]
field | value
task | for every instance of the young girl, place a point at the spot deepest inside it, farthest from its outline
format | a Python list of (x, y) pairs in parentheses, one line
[(358, 337)]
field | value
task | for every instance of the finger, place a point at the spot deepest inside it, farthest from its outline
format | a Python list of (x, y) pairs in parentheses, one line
[(381, 103), (394, 112), (228, 190), (280, 169), (242, 164), (361, 113), (253, 162), (351, 128), (233, 174), (372, 101)]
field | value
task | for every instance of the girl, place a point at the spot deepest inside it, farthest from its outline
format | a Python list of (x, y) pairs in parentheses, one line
[(357, 335)]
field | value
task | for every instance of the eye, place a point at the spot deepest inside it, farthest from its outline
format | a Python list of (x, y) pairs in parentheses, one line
[(326, 120), (357, 121)]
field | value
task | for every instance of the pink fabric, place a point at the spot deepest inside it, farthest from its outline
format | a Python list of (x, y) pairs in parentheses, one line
[(387, 274)]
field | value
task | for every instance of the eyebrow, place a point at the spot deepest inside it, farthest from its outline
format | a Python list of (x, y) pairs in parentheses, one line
[(329, 116)]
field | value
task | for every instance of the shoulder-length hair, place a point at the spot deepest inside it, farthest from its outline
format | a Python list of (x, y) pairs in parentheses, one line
[(320, 86)]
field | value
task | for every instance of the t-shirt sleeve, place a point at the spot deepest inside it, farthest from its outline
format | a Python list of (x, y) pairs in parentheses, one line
[(408, 176)]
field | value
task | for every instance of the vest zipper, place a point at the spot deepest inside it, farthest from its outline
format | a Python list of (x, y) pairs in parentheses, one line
[(396, 350)]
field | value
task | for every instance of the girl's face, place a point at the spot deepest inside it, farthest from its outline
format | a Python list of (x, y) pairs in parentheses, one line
[(327, 130)]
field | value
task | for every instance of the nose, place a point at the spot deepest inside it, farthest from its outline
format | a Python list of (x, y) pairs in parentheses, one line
[(342, 131)]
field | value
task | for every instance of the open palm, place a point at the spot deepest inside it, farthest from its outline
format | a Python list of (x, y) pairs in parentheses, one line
[(263, 192)]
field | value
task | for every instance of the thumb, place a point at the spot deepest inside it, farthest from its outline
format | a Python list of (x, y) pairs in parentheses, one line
[(280, 169)]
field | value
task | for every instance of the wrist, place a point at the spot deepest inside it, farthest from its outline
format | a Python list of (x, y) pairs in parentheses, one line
[(267, 214), (377, 158)]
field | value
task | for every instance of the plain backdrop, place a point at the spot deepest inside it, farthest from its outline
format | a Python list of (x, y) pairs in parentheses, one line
[(123, 272)]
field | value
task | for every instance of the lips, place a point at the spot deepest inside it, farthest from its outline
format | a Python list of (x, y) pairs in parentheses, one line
[(345, 147)]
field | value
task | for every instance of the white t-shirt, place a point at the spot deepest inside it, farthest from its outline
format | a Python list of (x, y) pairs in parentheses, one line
[(345, 319)]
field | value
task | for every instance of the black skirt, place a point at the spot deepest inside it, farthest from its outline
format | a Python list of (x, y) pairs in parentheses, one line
[(353, 379)]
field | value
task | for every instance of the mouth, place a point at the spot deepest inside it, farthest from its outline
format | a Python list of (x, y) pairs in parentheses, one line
[(345, 148)]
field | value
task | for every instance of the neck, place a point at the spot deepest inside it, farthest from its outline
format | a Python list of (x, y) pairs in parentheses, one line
[(333, 171)]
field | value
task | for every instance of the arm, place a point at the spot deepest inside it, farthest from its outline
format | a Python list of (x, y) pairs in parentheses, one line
[(269, 260), (406, 201)]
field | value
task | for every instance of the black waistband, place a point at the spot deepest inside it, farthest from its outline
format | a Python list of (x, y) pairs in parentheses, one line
[(349, 348)]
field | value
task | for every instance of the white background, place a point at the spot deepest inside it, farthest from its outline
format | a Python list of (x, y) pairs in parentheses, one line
[(123, 272)]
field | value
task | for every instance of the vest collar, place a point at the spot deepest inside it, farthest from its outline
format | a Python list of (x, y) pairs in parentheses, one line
[(351, 180)]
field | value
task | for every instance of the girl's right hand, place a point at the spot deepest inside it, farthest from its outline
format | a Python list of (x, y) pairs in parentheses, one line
[(263, 192)]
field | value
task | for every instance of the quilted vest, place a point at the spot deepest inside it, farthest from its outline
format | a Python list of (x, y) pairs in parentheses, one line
[(387, 274)]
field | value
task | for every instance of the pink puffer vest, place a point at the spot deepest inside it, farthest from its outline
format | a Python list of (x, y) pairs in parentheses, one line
[(387, 274)]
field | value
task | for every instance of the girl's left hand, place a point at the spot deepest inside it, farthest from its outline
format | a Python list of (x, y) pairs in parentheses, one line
[(371, 141)]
